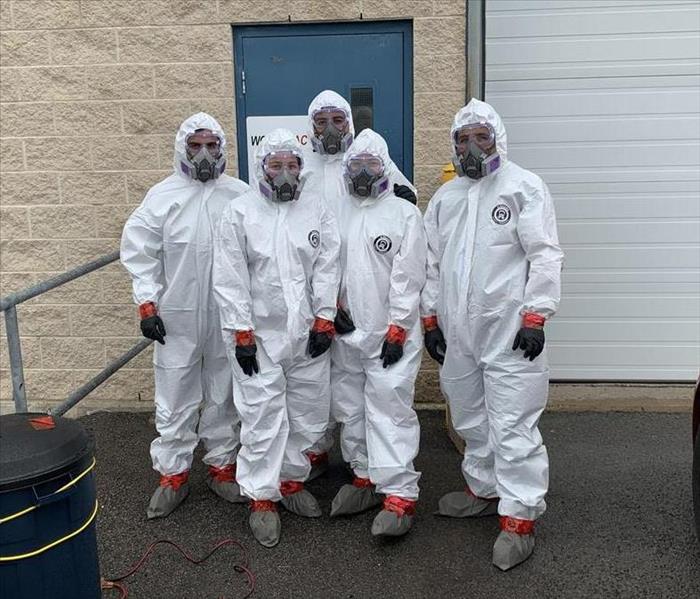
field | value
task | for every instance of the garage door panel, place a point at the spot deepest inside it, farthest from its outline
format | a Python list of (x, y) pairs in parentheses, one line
[(598, 373), (602, 232), (541, 104), (605, 331), (597, 129), (621, 355), (606, 154), (594, 48), (588, 21), (677, 183), (596, 70), (668, 276), (529, 6), (640, 256), (581, 179), (624, 307), (641, 285), (662, 207), (571, 84)]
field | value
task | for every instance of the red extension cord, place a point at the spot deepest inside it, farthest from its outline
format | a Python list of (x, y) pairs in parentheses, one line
[(116, 583)]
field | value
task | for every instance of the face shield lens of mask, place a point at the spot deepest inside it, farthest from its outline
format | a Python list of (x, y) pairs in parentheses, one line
[(363, 171), (480, 135), (203, 139), (276, 162), (330, 116), (282, 170), (331, 131), (203, 150), (368, 162)]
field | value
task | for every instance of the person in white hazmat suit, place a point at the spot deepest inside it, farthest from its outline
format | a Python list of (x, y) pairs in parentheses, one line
[(276, 278), (331, 131), (167, 248), (375, 360), (493, 280)]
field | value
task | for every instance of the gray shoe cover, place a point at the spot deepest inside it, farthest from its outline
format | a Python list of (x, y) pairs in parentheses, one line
[(460, 504), (390, 524), (266, 527), (165, 499), (354, 500), (229, 491), (302, 503), (511, 549)]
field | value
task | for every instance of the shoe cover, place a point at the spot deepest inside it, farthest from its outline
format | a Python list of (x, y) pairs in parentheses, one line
[(266, 527), (511, 549), (228, 490), (460, 504), (165, 499), (353, 500), (390, 524), (302, 503)]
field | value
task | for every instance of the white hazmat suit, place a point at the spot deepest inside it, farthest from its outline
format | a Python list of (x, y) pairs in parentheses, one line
[(276, 271), (383, 270), (167, 248), (326, 179), (493, 256)]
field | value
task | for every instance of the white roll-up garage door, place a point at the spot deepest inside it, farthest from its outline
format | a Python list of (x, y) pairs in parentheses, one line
[(602, 99)]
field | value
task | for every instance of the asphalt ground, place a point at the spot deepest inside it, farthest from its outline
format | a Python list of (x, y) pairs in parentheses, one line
[(619, 523)]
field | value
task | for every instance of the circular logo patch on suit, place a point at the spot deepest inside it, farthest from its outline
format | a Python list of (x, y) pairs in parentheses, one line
[(382, 244), (314, 238), (501, 214)]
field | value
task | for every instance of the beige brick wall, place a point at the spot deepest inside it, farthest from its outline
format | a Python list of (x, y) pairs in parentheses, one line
[(91, 94)]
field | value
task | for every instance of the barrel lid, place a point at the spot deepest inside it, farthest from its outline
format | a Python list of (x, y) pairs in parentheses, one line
[(35, 447)]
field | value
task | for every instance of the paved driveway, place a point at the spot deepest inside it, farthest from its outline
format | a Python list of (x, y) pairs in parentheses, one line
[(619, 524)]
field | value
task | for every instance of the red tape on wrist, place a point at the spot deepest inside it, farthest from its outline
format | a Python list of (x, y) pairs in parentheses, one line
[(396, 334), (430, 323), (147, 310), (321, 325), (516, 525), (533, 321), (245, 338)]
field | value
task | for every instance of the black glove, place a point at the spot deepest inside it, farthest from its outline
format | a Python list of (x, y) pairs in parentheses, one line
[(245, 356), (320, 337), (319, 342), (343, 323), (391, 353), (153, 328), (405, 192), (434, 342), (531, 340)]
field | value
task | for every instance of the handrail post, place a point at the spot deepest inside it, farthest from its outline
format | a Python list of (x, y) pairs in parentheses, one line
[(19, 394)]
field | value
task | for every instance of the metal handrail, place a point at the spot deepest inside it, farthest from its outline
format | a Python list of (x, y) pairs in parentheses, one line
[(8, 305), (18, 297)]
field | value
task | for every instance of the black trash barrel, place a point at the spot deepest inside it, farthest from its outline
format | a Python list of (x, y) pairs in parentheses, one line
[(48, 505)]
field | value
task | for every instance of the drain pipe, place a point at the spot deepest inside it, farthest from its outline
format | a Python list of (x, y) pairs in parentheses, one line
[(475, 49)]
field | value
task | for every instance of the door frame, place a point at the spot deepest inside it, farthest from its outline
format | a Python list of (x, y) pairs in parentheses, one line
[(305, 28)]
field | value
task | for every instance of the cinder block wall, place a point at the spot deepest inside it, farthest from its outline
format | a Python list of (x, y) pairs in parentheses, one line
[(91, 94)]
